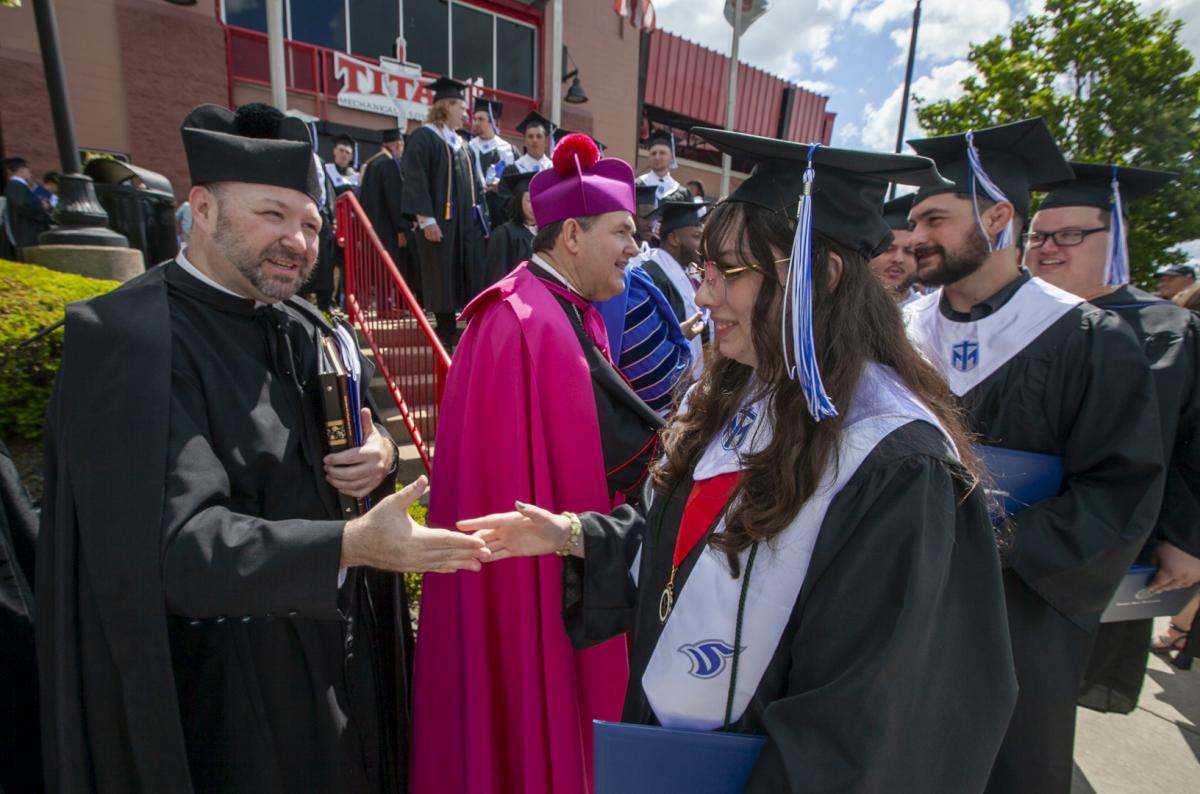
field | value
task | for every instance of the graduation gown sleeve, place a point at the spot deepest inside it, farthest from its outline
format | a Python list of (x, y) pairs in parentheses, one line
[(1179, 521), (599, 591), (421, 157), (899, 676)]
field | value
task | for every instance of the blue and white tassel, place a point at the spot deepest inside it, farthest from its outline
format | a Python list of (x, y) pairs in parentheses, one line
[(798, 340), (979, 177), (674, 162), (1116, 263), (552, 139)]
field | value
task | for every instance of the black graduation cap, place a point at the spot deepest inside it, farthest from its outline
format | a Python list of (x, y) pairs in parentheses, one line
[(392, 134), (848, 185), (675, 215), (534, 119), (256, 144), (1092, 185), (515, 181), (659, 136), (647, 195), (446, 88), (895, 212), (1012, 156), (346, 140), (491, 107), (13, 163)]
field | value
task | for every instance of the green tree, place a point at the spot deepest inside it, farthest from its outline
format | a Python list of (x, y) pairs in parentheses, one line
[(1114, 85)]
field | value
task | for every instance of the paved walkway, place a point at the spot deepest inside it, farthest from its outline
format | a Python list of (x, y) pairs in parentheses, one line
[(1154, 749)]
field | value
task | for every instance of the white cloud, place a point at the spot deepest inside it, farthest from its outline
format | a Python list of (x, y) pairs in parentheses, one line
[(948, 27), (1186, 10), (879, 123), (817, 86)]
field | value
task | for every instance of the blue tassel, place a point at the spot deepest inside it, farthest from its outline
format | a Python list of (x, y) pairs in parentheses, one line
[(1116, 265), (551, 139), (979, 178), (674, 162), (797, 291)]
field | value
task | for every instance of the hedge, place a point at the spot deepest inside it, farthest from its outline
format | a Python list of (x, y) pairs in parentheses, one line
[(32, 298)]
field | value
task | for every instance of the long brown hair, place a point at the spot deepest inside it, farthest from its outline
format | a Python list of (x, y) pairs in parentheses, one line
[(854, 322)]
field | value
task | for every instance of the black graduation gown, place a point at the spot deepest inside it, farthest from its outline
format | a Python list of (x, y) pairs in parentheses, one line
[(21, 749), (25, 218), (192, 635), (893, 672), (380, 193), (437, 179), (1170, 336), (329, 256), (1081, 390), (511, 244)]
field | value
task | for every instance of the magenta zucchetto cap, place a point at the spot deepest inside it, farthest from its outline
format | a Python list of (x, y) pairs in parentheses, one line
[(581, 183)]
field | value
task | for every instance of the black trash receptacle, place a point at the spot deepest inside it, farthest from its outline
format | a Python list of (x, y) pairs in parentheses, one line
[(140, 205)]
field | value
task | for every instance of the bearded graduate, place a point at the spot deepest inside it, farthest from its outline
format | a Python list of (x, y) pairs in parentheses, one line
[(897, 267), (816, 528), (1039, 373), (1077, 241)]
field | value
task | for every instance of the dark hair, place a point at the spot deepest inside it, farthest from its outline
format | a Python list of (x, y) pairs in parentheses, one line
[(547, 236), (515, 213), (854, 322), (699, 186), (51, 176)]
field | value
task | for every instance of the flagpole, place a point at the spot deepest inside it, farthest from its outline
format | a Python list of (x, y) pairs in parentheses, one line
[(908, 75), (275, 56), (556, 65), (731, 97)]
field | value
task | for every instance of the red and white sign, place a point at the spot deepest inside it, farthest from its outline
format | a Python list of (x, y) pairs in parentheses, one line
[(393, 87)]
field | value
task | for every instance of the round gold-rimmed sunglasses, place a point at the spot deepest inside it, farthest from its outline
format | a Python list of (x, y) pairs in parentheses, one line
[(715, 276)]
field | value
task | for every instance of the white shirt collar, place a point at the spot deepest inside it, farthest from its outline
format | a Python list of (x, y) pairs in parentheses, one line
[(193, 271), (544, 265)]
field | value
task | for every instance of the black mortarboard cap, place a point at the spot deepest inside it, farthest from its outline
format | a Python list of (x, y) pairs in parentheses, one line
[(257, 144), (1176, 270), (534, 119), (1014, 156), (391, 135), (446, 88), (1092, 186), (346, 140), (13, 163), (848, 185), (895, 212), (647, 195), (678, 215), (515, 181), (489, 106), (659, 136)]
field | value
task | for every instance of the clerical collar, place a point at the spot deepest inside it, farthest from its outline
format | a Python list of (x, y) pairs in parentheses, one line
[(544, 265), (986, 307), (193, 271)]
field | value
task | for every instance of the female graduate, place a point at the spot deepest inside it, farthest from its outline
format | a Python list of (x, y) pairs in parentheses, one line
[(512, 242), (816, 564)]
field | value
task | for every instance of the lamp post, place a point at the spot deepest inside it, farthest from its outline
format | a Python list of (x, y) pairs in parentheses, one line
[(908, 75)]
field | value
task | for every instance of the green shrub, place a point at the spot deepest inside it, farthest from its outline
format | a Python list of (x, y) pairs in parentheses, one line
[(32, 298)]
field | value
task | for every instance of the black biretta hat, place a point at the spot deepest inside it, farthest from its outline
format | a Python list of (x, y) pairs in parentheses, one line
[(1014, 157), (1092, 185), (895, 212), (391, 135), (534, 119), (256, 144), (848, 185), (679, 215), (446, 88)]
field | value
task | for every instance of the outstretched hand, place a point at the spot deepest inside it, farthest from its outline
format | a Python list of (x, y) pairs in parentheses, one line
[(388, 539), (529, 531)]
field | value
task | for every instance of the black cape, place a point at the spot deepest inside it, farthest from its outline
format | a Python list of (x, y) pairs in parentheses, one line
[(1170, 336), (440, 182), (893, 673), (511, 244), (1081, 390), (25, 218), (191, 634), (380, 193)]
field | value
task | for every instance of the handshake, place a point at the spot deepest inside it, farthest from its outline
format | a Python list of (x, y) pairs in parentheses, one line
[(388, 539)]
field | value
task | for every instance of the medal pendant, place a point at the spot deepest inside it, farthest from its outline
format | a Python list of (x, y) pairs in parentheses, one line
[(665, 602)]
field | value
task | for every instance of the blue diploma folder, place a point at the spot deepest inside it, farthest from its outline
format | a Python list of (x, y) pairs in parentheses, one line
[(1134, 602), (631, 759), (1020, 478)]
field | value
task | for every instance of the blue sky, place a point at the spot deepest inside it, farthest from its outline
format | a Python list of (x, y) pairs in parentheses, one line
[(853, 51)]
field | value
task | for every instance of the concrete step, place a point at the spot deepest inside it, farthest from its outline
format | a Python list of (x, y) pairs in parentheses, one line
[(418, 391), (410, 357)]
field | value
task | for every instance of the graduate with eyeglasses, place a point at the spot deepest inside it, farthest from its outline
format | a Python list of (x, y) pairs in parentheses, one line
[(816, 563), (1062, 384), (1077, 241)]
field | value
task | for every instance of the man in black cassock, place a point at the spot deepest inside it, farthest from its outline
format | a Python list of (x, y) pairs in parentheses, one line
[(1077, 243), (206, 622), (443, 191), (25, 217), (380, 192), (1039, 371)]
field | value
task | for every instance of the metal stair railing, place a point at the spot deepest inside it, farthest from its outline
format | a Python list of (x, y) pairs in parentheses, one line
[(407, 352)]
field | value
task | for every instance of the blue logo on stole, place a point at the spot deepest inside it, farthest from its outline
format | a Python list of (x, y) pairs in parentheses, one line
[(708, 657), (738, 428), (965, 356)]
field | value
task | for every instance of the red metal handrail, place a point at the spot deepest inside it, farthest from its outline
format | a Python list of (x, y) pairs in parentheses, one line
[(407, 352)]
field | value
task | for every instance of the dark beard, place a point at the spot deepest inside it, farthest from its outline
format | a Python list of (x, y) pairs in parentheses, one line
[(956, 265), (251, 265)]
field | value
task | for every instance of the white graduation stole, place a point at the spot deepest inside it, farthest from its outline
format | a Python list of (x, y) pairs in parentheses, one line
[(968, 353), (688, 677)]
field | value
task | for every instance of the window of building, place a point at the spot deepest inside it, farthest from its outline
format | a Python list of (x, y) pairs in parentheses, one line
[(444, 36)]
